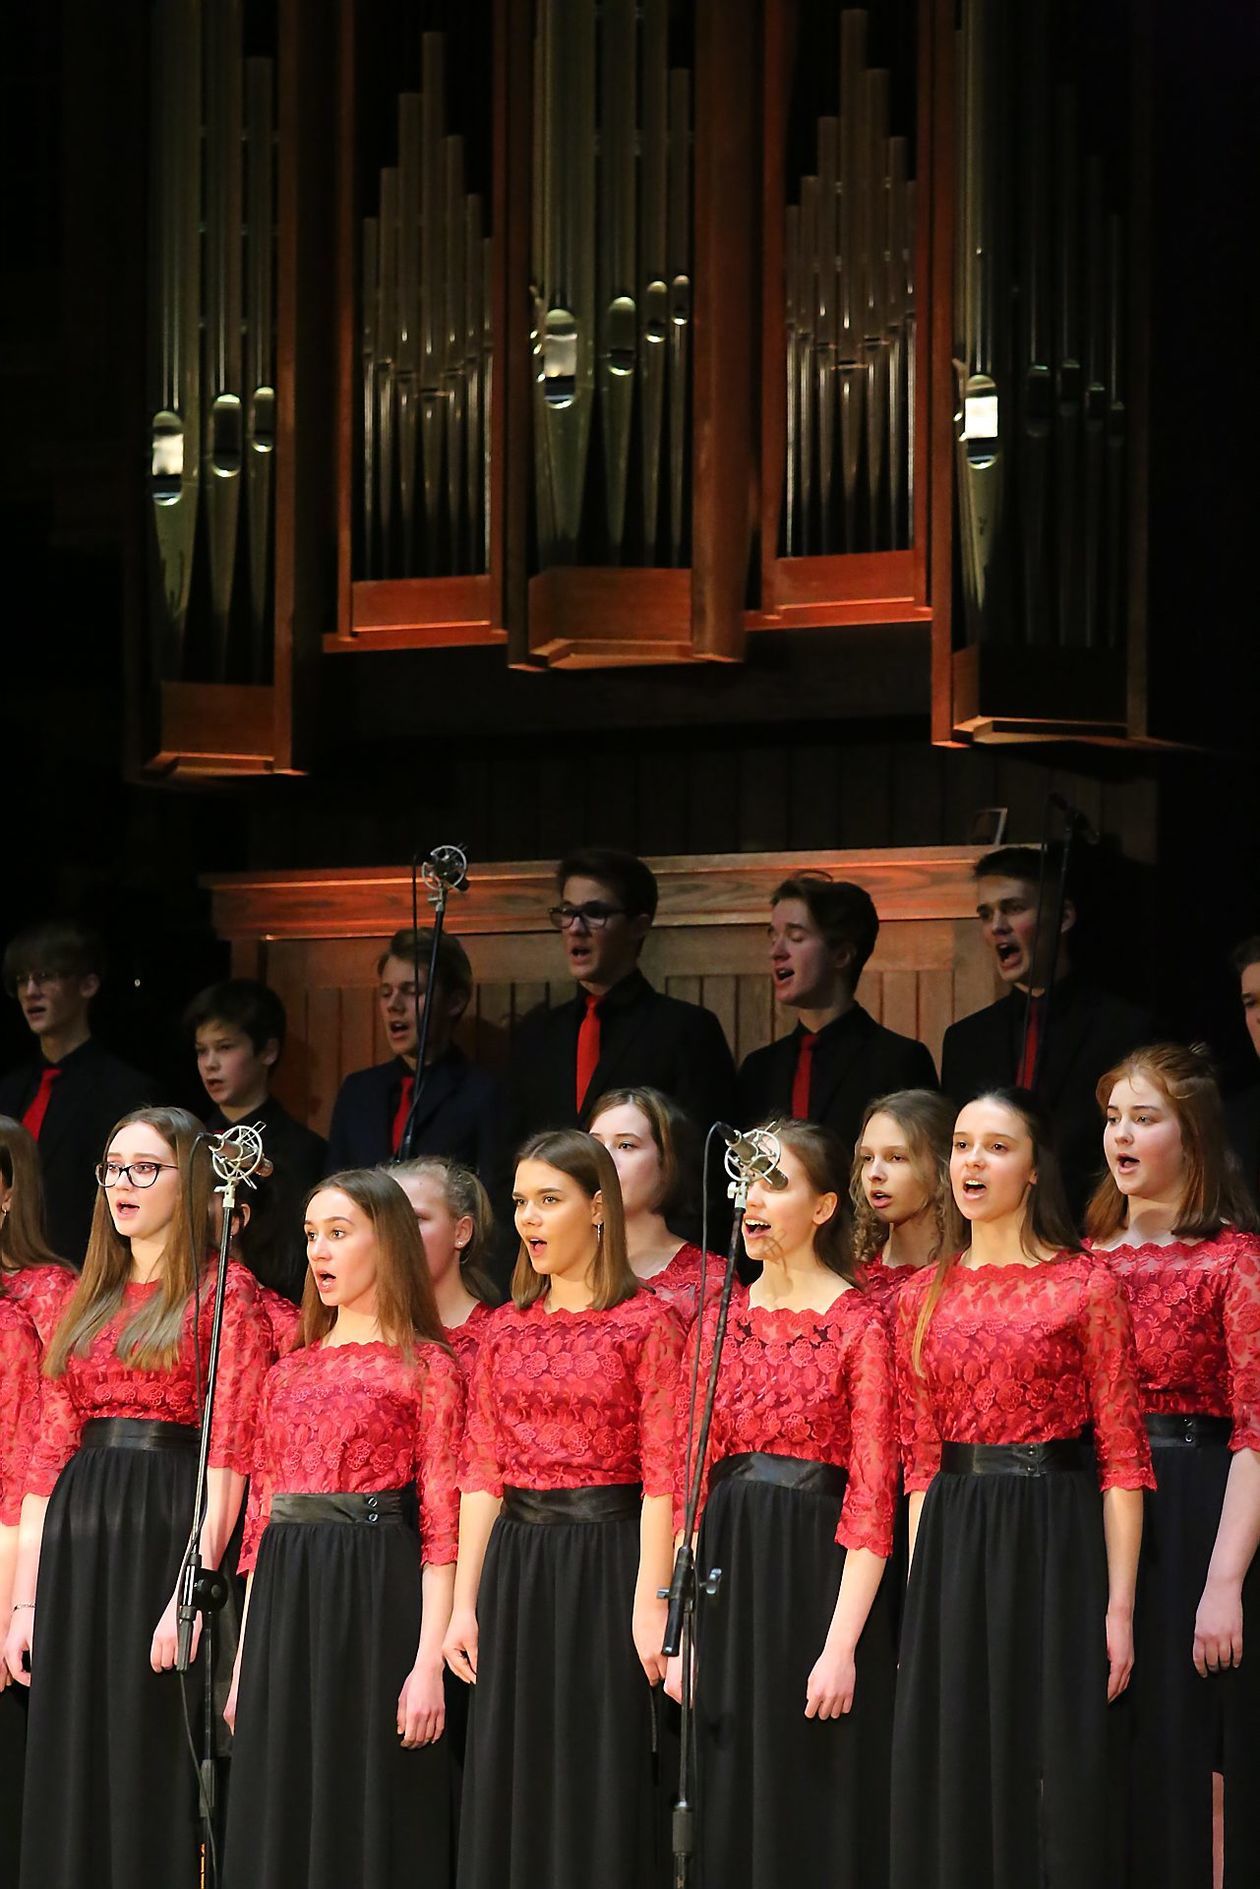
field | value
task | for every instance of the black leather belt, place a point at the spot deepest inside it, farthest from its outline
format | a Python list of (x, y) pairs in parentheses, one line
[(789, 1472), (615, 1502), (1015, 1459), (138, 1433), (1190, 1431), (377, 1505)]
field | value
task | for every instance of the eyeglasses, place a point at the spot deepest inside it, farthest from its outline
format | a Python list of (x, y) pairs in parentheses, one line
[(41, 980), (594, 915), (138, 1173)]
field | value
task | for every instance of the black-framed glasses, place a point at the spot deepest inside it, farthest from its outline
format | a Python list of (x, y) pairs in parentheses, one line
[(138, 1173), (594, 915)]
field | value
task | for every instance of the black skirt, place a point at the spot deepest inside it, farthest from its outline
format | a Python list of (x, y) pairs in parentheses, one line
[(1181, 1728), (782, 1799), (1000, 1769), (13, 1705), (111, 1788), (561, 1789), (323, 1794)]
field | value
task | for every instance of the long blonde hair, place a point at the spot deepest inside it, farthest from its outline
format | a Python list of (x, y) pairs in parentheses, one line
[(23, 1241), (927, 1122), (589, 1163), (465, 1197), (405, 1306), (150, 1340)]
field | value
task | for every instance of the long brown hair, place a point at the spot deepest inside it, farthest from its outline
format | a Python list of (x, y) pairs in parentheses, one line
[(405, 1306), (674, 1136), (23, 1240), (926, 1119), (1047, 1218), (465, 1197), (589, 1163), (822, 1157), (150, 1339), (1213, 1192)]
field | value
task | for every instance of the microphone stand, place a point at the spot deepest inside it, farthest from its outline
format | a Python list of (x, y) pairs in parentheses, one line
[(201, 1589), (444, 870), (686, 1584)]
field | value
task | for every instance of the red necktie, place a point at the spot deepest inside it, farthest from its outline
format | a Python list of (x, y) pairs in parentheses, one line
[(1027, 1071), (37, 1108), (401, 1113), (587, 1048), (804, 1075)]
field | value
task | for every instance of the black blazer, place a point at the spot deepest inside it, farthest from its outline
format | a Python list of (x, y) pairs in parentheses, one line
[(460, 1115), (93, 1091), (1242, 1116), (647, 1040), (1088, 1030), (273, 1245), (855, 1059)]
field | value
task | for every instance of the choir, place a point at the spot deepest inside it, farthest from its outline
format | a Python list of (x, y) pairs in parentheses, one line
[(980, 1505)]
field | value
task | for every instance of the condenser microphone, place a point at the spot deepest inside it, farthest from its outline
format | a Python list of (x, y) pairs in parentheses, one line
[(756, 1153), (237, 1154)]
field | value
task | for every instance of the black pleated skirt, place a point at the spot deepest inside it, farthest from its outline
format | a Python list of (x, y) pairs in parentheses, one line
[(323, 1795), (561, 1784), (1180, 1728), (785, 1802), (111, 1788), (13, 1705), (1000, 1768)]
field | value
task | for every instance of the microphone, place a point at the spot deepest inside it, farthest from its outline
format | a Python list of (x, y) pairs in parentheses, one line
[(445, 869), (755, 1153), (1074, 819), (237, 1154)]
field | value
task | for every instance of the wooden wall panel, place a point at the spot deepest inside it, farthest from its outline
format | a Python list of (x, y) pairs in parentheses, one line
[(316, 938)]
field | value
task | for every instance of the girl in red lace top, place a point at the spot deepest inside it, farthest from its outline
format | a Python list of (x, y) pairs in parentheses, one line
[(30, 1272), (1169, 1218), (794, 1687), (564, 1542), (1018, 1622), (113, 1476), (340, 1655), (904, 1216), (456, 1223), (650, 1141)]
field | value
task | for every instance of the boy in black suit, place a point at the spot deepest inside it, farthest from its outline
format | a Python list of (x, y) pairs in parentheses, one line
[(70, 1095), (1243, 1110), (838, 1058), (238, 1030), (616, 1031), (1075, 1031), (460, 1112)]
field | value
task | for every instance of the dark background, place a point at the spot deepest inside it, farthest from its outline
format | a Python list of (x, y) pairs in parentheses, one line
[(821, 740)]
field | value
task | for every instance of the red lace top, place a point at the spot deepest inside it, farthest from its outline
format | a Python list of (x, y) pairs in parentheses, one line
[(1196, 1322), (100, 1384), (465, 1340), (19, 1406), (884, 1282), (574, 1400), (352, 1419), (283, 1319), (1022, 1354), (42, 1292), (678, 1284), (817, 1385)]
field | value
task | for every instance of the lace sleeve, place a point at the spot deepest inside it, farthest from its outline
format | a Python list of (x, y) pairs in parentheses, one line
[(1110, 1363), (19, 1411), (657, 1376), (1242, 1344), (437, 1458), (244, 1357), (699, 1336), (866, 1519), (481, 1462), (920, 1437), (261, 1484), (60, 1427)]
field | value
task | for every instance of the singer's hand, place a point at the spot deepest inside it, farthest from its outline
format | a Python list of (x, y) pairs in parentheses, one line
[(648, 1628), (229, 1708), (829, 1693), (459, 1648), (17, 1645), (165, 1645)]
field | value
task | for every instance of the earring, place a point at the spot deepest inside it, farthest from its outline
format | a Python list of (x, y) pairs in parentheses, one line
[(599, 1231)]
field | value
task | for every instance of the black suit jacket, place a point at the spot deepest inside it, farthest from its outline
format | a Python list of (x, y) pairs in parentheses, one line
[(460, 1115), (647, 1040), (855, 1059), (273, 1245), (1087, 1031), (1242, 1114), (94, 1090)]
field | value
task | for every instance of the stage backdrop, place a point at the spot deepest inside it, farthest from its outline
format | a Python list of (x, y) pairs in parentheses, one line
[(315, 937)]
